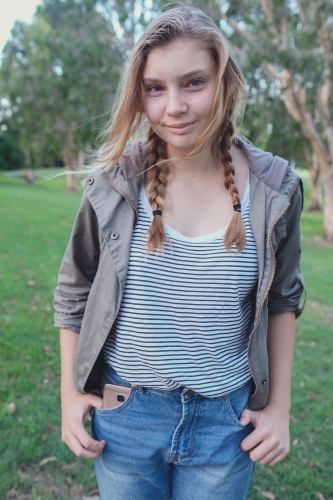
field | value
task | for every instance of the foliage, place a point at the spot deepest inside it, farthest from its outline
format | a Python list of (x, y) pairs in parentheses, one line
[(58, 74), (288, 44), (11, 157)]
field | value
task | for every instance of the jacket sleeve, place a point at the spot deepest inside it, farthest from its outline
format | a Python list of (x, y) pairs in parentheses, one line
[(78, 269), (288, 286)]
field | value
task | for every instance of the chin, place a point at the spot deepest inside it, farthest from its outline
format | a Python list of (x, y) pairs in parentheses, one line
[(180, 148)]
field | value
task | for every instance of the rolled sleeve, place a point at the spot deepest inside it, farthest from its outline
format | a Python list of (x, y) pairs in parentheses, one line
[(288, 291), (78, 269)]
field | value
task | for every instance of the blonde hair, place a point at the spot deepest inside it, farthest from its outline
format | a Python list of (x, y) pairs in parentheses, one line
[(227, 109)]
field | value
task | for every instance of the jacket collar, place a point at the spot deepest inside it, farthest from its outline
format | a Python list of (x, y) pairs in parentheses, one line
[(268, 169)]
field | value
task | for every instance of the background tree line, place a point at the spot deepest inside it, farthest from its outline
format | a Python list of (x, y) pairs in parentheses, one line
[(59, 75)]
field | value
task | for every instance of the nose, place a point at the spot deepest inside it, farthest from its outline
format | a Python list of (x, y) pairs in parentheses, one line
[(176, 103)]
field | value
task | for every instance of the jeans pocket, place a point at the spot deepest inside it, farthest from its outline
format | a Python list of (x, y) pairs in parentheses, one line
[(237, 401), (118, 409), (110, 376)]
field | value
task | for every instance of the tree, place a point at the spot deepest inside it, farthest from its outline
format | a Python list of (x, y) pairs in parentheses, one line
[(290, 42), (61, 68)]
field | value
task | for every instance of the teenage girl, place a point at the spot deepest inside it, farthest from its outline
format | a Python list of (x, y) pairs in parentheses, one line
[(181, 282)]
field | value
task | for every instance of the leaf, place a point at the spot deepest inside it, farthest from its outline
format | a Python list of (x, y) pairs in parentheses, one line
[(46, 460), (265, 494), (11, 407)]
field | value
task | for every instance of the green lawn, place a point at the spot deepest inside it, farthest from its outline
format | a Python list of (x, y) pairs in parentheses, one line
[(35, 223)]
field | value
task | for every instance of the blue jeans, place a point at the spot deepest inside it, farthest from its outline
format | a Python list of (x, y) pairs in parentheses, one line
[(173, 444)]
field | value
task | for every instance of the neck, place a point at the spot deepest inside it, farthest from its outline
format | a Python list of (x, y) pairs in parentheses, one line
[(202, 165)]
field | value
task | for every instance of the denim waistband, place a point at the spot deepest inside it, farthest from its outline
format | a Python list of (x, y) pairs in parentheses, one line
[(113, 377)]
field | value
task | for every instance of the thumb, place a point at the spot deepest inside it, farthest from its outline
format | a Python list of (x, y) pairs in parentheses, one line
[(248, 417), (95, 401)]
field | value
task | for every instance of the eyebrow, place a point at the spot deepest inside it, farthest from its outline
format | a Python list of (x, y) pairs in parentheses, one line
[(196, 72)]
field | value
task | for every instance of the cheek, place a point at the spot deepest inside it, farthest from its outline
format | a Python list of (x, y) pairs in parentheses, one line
[(203, 105), (153, 110)]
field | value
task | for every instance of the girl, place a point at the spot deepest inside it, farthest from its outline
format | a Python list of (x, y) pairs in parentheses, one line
[(181, 282)]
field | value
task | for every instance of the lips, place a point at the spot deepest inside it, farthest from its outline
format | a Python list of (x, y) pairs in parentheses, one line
[(179, 125), (179, 128)]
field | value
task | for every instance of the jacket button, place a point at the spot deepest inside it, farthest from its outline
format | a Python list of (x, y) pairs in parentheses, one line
[(114, 236), (91, 180), (264, 382)]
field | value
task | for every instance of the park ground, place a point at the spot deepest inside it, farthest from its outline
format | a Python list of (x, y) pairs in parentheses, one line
[(35, 222)]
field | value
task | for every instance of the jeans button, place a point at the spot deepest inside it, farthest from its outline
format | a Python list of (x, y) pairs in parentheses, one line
[(189, 392)]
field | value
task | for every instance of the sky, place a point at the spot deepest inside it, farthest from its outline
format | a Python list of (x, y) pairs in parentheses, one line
[(10, 11)]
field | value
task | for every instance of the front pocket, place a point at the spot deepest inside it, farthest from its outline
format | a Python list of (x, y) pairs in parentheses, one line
[(237, 401), (118, 409)]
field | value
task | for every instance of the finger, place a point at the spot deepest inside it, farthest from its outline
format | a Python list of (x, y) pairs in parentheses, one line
[(269, 457), (87, 441), (259, 453), (277, 451), (95, 401), (81, 451), (278, 459), (248, 417), (267, 451), (252, 440)]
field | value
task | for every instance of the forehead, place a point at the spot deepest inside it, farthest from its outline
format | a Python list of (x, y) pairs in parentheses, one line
[(176, 58)]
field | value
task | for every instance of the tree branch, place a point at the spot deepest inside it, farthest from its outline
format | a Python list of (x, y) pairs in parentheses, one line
[(267, 7), (244, 34), (300, 11)]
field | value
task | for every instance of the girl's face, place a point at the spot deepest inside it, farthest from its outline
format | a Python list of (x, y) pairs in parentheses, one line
[(179, 84)]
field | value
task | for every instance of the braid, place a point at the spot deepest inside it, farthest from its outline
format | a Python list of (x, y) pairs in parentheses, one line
[(235, 233), (157, 178)]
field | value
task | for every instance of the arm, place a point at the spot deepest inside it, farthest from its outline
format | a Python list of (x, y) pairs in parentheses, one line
[(76, 275), (78, 269), (269, 442), (75, 405)]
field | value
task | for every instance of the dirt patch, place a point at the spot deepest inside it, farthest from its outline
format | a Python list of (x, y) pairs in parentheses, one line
[(320, 242)]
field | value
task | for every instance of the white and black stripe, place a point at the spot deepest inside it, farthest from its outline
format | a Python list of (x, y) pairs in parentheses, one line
[(185, 315)]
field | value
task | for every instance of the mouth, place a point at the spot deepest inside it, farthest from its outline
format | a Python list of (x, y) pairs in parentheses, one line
[(180, 127)]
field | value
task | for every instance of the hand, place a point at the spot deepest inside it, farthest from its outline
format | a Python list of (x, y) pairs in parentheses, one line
[(75, 406), (268, 444)]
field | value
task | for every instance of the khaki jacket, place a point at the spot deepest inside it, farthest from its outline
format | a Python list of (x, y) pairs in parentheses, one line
[(93, 271)]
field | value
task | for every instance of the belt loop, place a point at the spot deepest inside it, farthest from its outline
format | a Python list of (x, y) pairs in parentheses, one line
[(138, 388)]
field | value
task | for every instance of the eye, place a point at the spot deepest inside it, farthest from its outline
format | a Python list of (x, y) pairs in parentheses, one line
[(154, 89), (197, 82)]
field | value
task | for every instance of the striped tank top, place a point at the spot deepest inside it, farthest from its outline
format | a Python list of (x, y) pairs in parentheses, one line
[(186, 313)]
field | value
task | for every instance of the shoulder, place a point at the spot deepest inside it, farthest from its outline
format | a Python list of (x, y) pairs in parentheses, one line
[(272, 171), (133, 158)]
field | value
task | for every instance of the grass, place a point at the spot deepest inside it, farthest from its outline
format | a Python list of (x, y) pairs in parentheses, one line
[(35, 223)]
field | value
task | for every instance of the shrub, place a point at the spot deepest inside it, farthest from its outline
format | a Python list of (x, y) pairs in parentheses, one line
[(11, 157)]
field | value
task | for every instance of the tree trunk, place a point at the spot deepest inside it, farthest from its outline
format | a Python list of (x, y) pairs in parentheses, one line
[(29, 175), (328, 205), (314, 178), (68, 158)]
